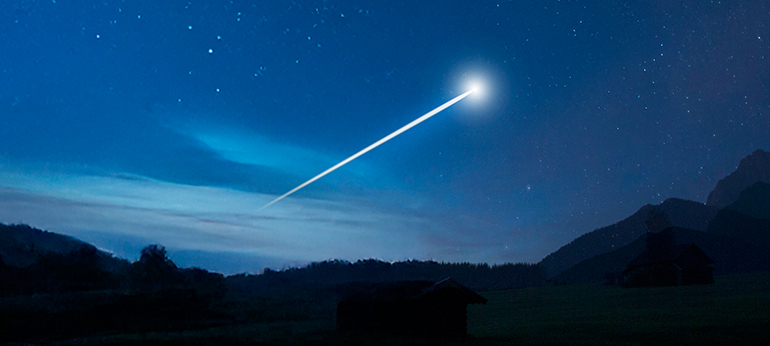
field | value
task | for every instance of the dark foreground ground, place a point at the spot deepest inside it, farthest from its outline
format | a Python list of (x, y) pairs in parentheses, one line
[(733, 311)]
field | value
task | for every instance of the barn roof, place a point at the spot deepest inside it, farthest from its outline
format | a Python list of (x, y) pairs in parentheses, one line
[(676, 252), (449, 283), (415, 290)]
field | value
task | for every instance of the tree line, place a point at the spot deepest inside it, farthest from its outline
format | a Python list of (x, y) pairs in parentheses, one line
[(478, 277)]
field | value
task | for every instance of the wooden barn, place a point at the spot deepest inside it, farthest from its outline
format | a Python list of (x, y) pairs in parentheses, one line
[(416, 308), (673, 266)]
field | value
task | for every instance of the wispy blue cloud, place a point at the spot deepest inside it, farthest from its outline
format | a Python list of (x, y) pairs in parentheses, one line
[(204, 218), (118, 212), (291, 161)]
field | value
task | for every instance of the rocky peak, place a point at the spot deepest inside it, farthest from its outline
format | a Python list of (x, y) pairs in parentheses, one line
[(753, 168)]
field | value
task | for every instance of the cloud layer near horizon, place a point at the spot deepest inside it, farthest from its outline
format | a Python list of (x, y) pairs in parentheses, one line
[(137, 211)]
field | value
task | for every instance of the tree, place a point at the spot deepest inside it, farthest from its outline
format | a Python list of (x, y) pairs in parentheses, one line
[(76, 270), (657, 221), (154, 267)]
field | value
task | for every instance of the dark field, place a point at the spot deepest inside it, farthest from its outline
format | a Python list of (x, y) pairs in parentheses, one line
[(733, 311)]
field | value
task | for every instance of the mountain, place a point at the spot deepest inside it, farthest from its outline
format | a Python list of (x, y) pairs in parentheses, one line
[(687, 214), (730, 255), (737, 239), (748, 218), (754, 201), (753, 168), (681, 213)]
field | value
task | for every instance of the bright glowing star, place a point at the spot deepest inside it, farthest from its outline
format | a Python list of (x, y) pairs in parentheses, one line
[(477, 87), (373, 145)]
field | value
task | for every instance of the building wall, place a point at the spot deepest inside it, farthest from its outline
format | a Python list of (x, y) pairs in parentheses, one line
[(432, 316)]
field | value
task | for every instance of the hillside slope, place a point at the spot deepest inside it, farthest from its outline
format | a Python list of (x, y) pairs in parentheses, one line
[(753, 168), (681, 213), (22, 245), (736, 241)]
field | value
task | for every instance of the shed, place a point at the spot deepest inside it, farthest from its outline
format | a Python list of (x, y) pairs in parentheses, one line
[(416, 308)]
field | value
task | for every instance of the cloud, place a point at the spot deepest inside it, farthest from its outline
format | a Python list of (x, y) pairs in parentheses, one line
[(196, 189), (108, 139), (290, 161), (253, 149), (208, 219)]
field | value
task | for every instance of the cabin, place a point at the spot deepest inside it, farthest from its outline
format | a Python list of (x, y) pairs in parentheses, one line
[(412, 308), (672, 266)]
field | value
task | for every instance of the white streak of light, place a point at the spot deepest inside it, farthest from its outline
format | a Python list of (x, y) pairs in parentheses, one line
[(374, 145)]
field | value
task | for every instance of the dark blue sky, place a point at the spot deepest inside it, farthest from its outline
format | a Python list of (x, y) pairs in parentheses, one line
[(126, 123)]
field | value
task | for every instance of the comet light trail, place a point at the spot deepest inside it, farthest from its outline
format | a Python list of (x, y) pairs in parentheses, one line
[(373, 145)]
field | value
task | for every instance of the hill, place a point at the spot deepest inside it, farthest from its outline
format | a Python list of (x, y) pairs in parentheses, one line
[(22, 245), (753, 168), (598, 268), (748, 218), (754, 201), (681, 213), (736, 241)]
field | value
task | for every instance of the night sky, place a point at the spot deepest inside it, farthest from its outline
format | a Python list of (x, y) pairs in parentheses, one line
[(128, 123)]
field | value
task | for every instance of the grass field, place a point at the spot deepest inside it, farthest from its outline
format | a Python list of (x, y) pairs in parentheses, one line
[(733, 311)]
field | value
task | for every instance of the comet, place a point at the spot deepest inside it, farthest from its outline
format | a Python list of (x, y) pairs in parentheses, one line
[(408, 126)]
